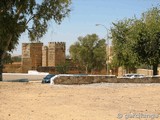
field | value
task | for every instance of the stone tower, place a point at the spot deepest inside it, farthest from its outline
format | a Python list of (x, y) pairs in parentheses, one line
[(54, 54), (31, 56), (44, 56)]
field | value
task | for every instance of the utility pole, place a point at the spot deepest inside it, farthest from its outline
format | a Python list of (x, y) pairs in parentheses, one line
[(108, 47)]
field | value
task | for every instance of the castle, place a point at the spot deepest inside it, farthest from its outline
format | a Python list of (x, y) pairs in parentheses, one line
[(35, 55)]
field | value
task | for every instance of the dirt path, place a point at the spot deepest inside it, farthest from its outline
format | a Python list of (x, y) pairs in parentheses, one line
[(35, 101)]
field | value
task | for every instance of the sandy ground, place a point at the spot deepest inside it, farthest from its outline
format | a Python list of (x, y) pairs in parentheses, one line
[(36, 101)]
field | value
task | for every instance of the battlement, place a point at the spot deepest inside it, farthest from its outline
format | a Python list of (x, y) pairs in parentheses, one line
[(57, 44), (53, 54), (33, 44)]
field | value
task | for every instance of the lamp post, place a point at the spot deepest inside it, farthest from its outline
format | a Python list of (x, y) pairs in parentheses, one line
[(108, 48)]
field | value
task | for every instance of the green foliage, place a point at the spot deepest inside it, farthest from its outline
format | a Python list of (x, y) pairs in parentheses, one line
[(7, 59), (18, 16), (147, 39), (137, 41), (62, 68), (90, 52), (147, 42), (122, 44)]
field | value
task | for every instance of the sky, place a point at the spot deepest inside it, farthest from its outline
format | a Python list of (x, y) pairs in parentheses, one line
[(84, 16)]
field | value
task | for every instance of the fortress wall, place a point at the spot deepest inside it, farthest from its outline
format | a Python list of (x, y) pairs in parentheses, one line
[(44, 56), (56, 53), (31, 56)]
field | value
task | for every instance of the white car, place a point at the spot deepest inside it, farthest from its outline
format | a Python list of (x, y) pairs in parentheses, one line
[(133, 75)]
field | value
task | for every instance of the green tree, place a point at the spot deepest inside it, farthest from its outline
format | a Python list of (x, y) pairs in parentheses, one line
[(62, 68), (146, 37), (123, 54), (90, 52), (7, 58), (137, 41), (18, 16)]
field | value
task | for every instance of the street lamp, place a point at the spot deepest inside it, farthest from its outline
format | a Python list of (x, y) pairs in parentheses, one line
[(108, 48)]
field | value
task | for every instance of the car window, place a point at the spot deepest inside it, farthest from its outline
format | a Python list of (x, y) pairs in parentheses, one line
[(48, 76)]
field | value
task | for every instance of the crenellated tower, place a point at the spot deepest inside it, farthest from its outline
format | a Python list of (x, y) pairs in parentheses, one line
[(31, 56), (54, 54), (35, 55), (44, 56)]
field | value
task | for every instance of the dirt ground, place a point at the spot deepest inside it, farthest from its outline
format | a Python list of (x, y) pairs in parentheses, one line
[(36, 101)]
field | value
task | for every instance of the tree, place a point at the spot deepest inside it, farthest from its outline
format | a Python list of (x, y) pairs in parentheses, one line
[(18, 16), (7, 59), (123, 54), (137, 41), (90, 52), (62, 68), (146, 43)]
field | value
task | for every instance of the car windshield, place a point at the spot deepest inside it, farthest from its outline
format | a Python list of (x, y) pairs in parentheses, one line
[(128, 75), (48, 76)]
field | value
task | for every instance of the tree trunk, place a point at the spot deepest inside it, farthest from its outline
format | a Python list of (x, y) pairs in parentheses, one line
[(86, 69), (155, 69), (1, 64), (89, 71), (1, 70), (2, 55)]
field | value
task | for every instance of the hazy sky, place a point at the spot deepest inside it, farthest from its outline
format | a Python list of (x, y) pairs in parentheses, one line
[(85, 14)]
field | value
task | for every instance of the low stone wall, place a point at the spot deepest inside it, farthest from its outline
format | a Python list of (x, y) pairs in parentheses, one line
[(139, 80), (70, 80)]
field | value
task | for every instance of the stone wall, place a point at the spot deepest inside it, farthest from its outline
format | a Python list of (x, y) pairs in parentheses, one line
[(56, 53), (82, 79), (145, 72), (44, 56), (12, 68), (34, 55), (60, 53), (26, 58), (51, 54), (69, 80), (31, 56)]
